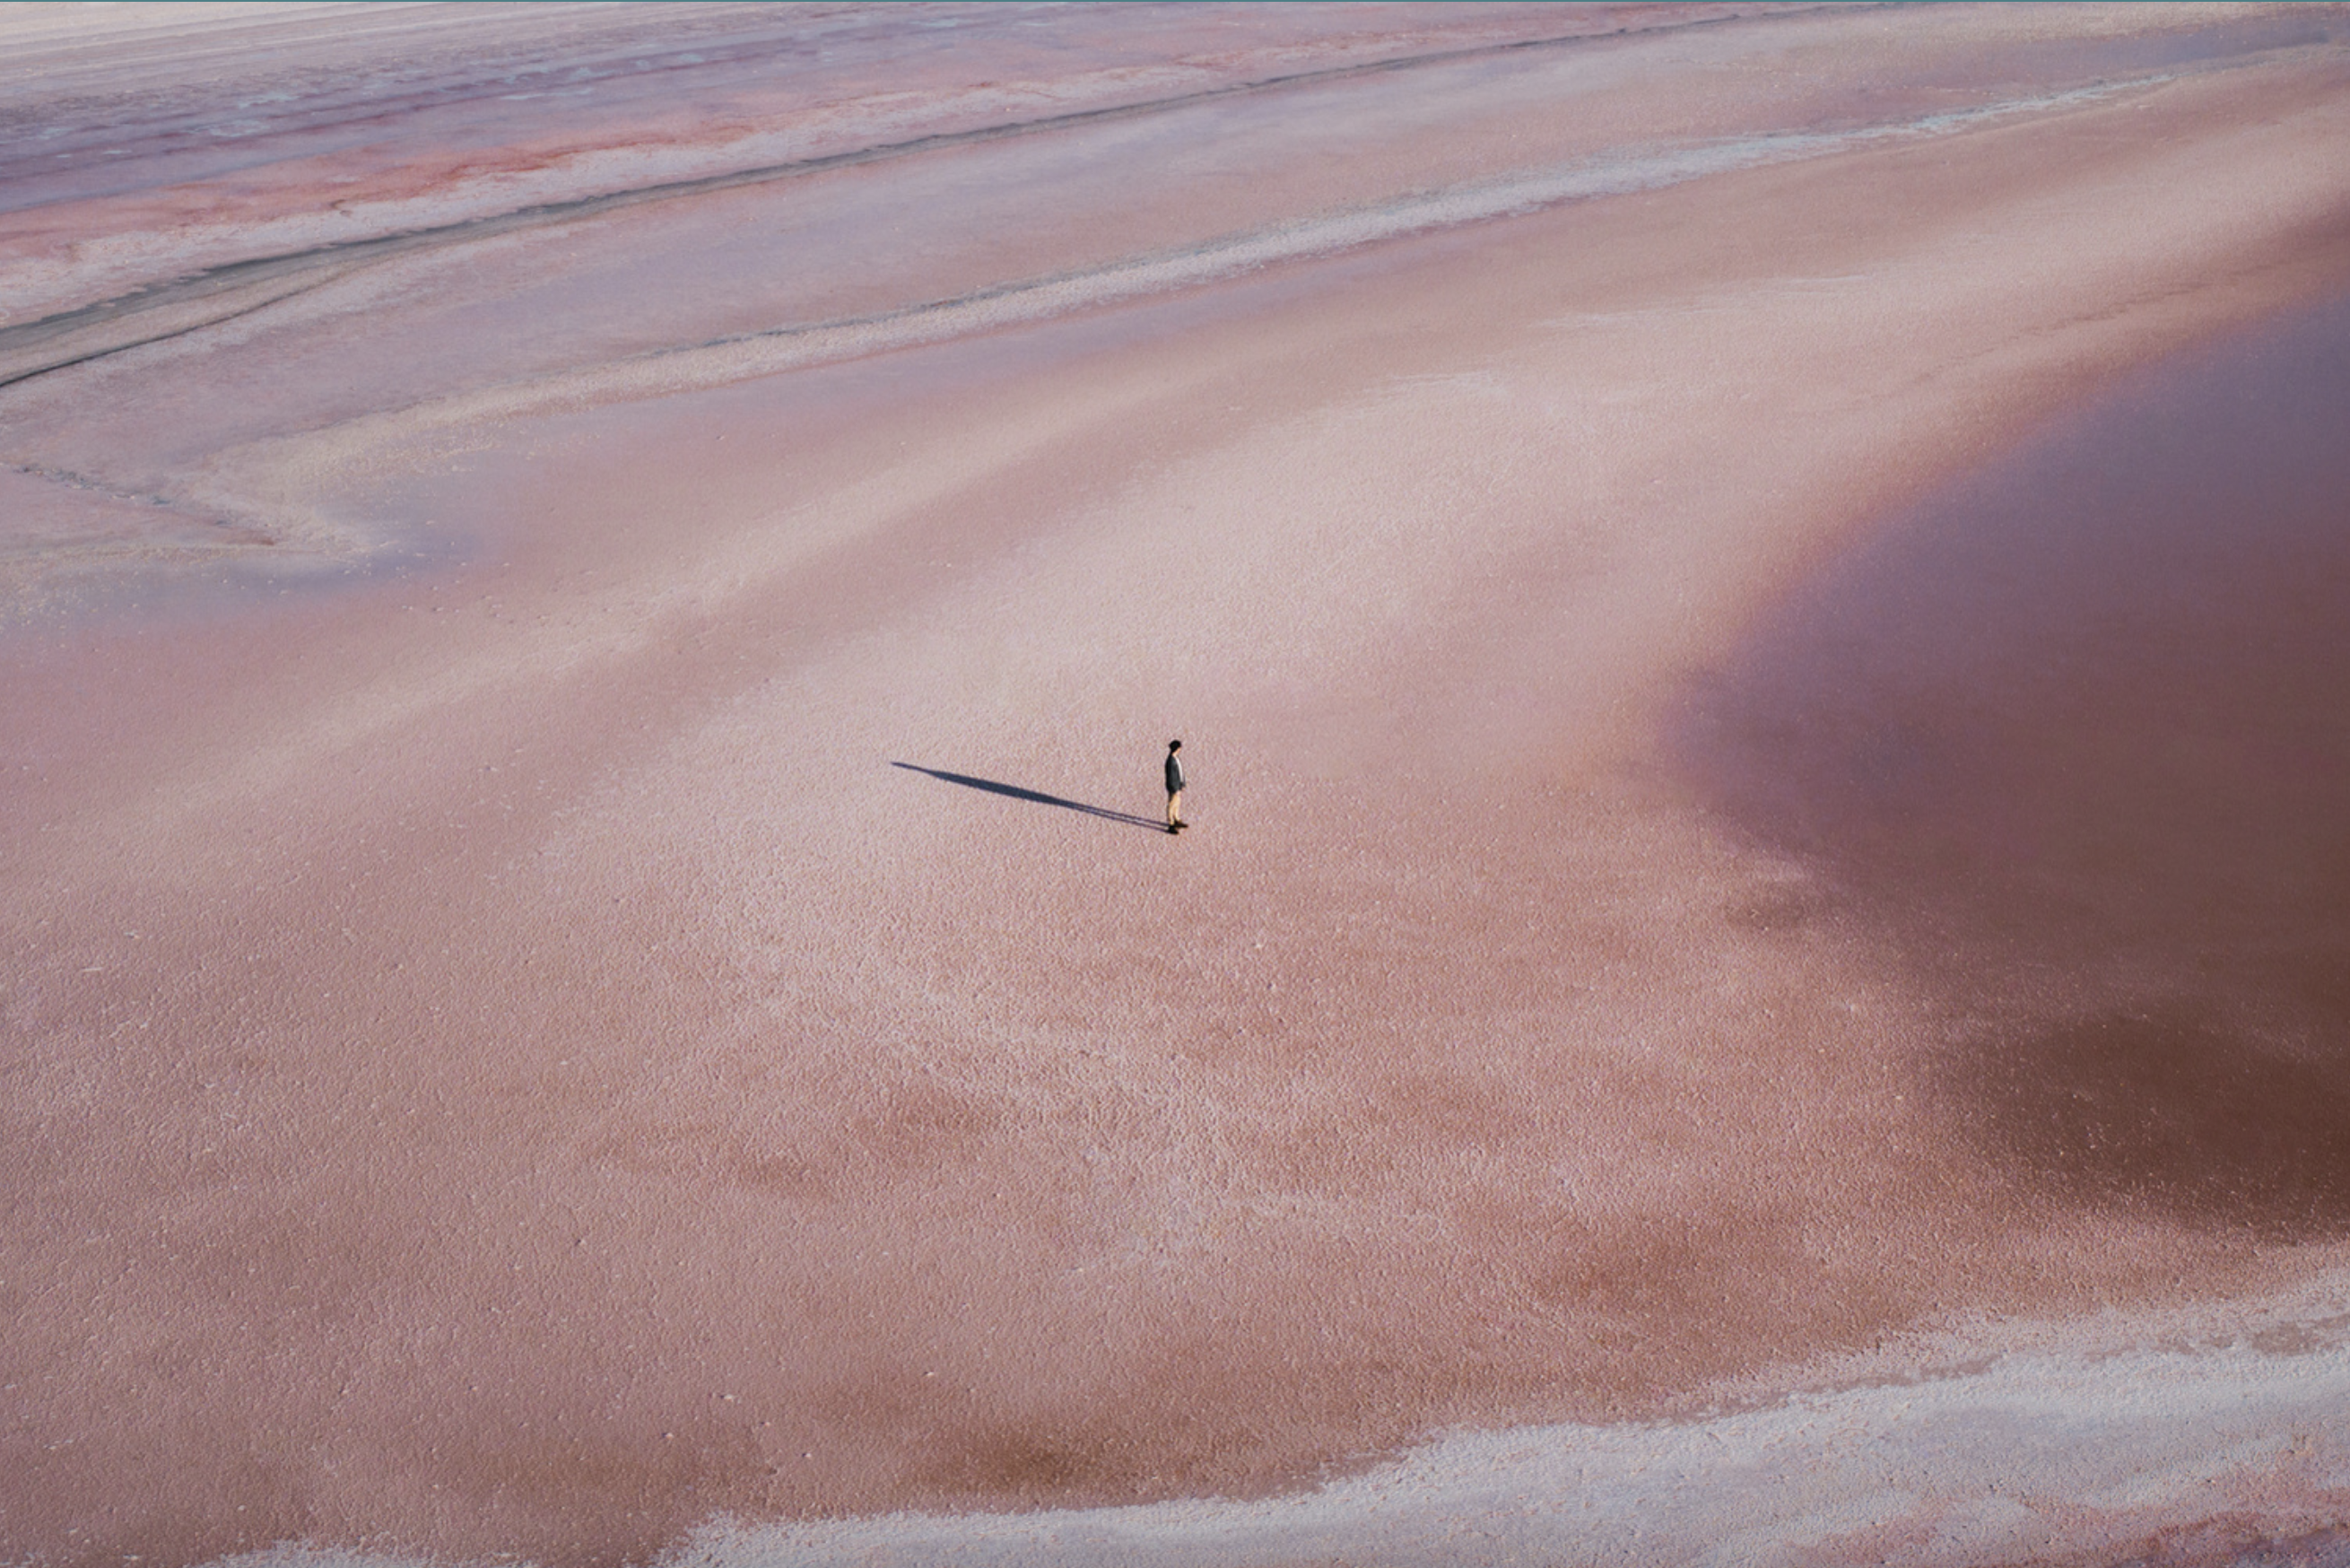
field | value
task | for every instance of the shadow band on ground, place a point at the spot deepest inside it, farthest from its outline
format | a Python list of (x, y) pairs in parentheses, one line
[(1037, 796)]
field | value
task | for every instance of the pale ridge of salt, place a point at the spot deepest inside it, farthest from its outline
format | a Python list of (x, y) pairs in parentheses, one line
[(665, 372), (1032, 299), (2038, 1453), (2087, 1442)]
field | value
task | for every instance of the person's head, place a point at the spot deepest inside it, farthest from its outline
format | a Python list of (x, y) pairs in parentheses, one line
[(1174, 745)]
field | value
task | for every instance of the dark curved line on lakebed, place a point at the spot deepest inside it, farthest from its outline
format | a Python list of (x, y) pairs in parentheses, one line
[(1034, 796), (232, 276)]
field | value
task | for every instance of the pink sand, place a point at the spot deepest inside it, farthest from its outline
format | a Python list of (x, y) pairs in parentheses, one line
[(498, 1061)]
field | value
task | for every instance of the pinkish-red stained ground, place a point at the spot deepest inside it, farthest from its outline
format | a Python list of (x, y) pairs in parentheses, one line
[(1753, 598)]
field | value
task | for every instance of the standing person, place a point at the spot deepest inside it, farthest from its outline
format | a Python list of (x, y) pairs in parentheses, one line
[(1174, 788)]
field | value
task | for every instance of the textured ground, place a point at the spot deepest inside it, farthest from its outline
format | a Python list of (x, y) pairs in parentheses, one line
[(1753, 598)]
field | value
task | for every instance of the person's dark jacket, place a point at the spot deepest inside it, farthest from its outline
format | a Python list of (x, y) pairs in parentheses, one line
[(1174, 774)]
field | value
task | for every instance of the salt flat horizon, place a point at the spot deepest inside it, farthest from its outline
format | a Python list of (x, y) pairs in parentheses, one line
[(1759, 972)]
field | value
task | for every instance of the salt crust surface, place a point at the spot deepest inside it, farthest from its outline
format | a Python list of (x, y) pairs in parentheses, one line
[(817, 1016)]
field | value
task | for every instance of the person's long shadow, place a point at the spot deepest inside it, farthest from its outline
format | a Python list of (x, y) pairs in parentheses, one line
[(1036, 796)]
